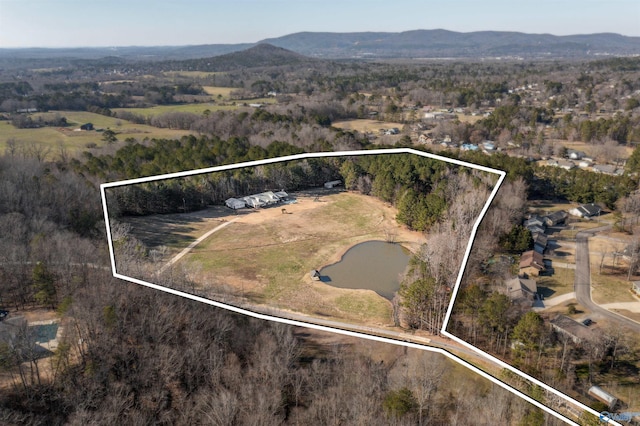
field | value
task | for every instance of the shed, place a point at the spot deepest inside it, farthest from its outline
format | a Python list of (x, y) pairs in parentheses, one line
[(315, 275), (600, 394), (332, 184), (235, 204)]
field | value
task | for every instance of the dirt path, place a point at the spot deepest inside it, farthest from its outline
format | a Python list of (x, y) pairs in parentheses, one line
[(195, 243)]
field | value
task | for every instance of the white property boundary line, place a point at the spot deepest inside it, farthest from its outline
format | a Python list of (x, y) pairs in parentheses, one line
[(303, 156)]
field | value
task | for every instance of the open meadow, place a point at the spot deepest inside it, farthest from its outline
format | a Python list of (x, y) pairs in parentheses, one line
[(74, 140), (264, 256), (365, 125)]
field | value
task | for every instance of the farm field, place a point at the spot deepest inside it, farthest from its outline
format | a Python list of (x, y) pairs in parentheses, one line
[(365, 125), (76, 141), (283, 248), (194, 108)]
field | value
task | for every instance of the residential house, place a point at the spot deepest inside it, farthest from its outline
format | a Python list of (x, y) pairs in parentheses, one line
[(469, 147), (263, 199), (555, 218), (574, 330), (282, 195), (566, 164), (534, 220), (235, 204), (489, 146), (522, 290), (586, 210), (531, 264), (540, 242), (535, 229), (575, 155), (607, 169), (87, 126)]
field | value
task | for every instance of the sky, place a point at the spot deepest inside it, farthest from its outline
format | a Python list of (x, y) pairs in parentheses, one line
[(89, 23)]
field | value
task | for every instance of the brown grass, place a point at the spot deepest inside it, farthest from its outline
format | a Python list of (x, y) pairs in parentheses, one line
[(366, 125), (266, 256)]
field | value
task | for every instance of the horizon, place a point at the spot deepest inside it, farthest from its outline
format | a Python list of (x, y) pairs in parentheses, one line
[(265, 40), (145, 23)]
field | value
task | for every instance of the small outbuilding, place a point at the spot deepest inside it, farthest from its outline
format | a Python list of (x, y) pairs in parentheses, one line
[(315, 275), (87, 126), (332, 184), (600, 394)]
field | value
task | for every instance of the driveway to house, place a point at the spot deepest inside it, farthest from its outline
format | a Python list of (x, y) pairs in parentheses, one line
[(195, 243), (582, 283), (541, 305)]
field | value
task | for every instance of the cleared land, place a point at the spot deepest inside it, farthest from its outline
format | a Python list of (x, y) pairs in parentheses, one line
[(366, 125), (266, 255), (76, 141)]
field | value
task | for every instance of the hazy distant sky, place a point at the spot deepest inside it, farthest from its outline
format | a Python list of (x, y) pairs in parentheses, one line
[(64, 23)]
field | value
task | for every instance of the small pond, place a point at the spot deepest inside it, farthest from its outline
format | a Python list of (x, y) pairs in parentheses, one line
[(372, 265)]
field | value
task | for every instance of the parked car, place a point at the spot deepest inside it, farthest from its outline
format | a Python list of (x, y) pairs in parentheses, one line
[(587, 322), (3, 314)]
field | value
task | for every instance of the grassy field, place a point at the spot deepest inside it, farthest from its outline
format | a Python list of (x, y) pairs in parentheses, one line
[(195, 108), (610, 289), (365, 125), (219, 91), (191, 74), (76, 141), (282, 249)]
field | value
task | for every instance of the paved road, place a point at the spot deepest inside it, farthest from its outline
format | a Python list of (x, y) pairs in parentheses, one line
[(582, 283)]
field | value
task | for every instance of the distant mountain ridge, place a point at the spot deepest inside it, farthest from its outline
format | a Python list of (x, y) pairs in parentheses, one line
[(409, 44), (444, 43)]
